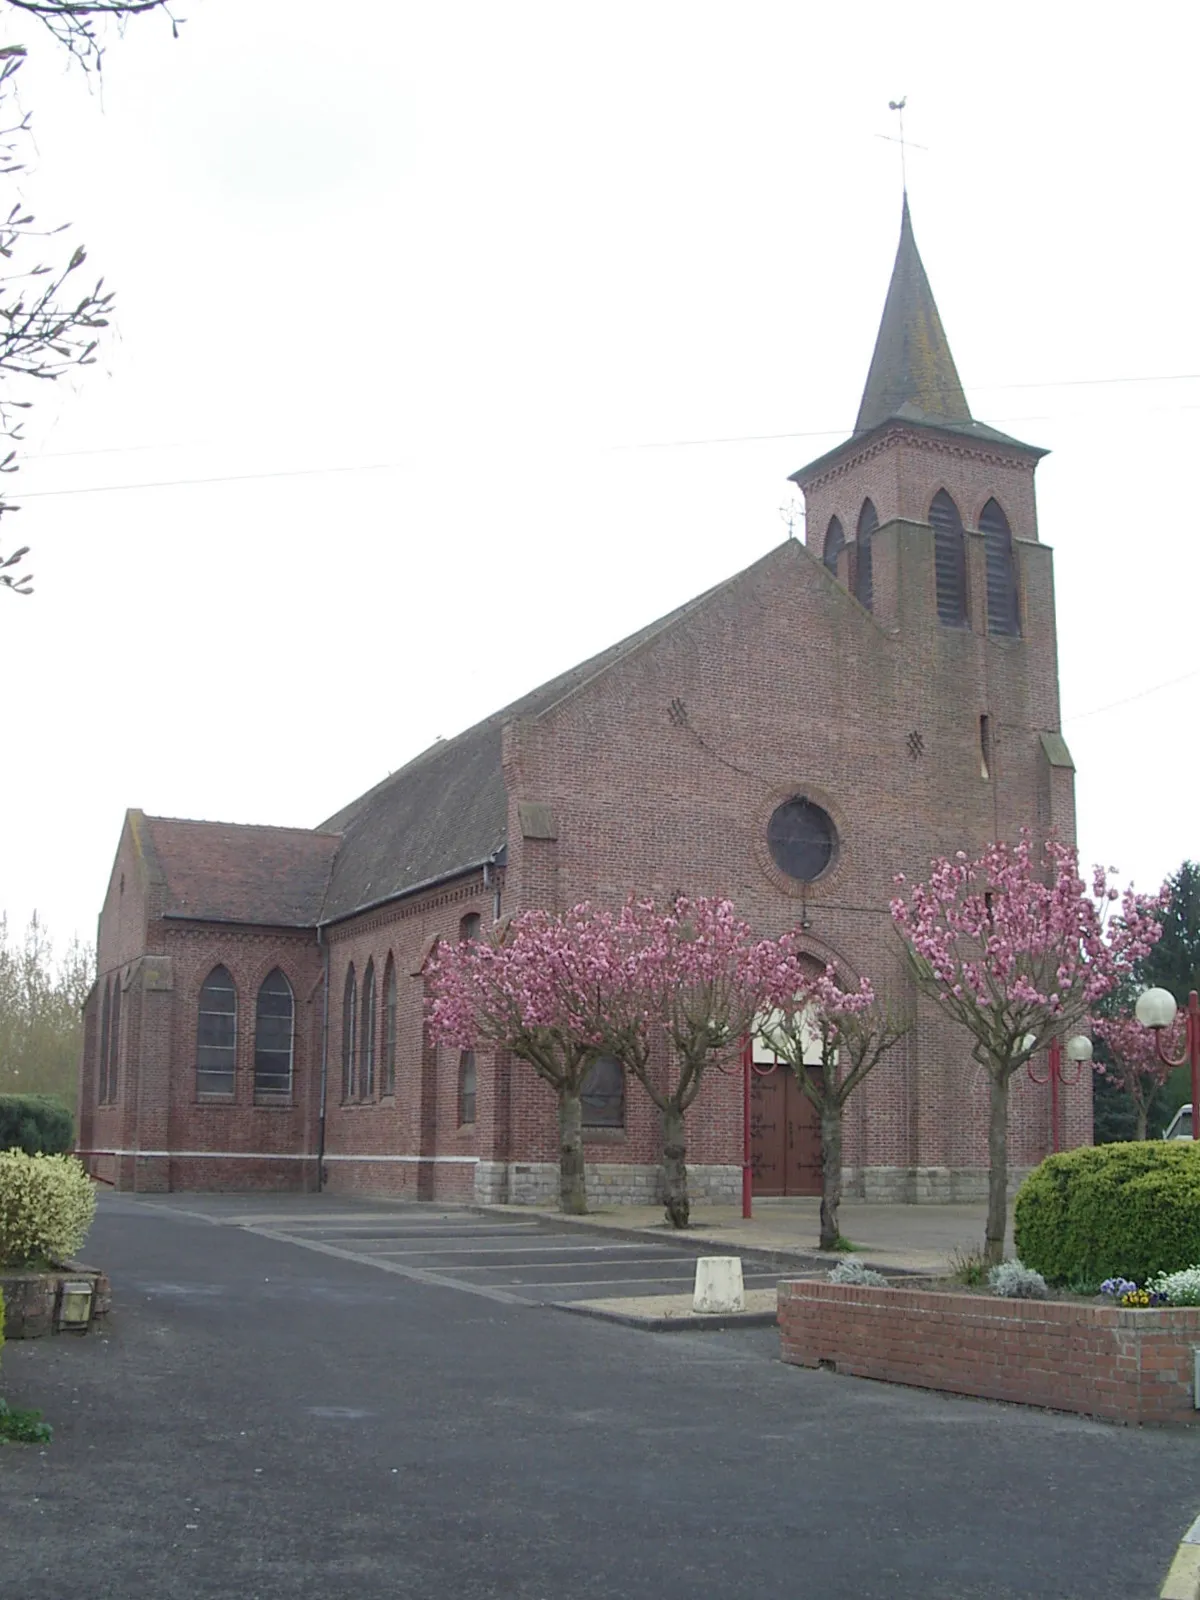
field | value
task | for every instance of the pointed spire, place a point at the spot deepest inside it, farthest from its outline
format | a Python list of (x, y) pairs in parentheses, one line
[(912, 371)]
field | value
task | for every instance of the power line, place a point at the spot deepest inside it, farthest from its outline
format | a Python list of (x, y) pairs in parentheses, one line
[(1155, 688), (235, 477)]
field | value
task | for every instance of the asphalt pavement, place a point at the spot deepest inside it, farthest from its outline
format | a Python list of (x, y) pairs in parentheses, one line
[(281, 1410), (512, 1260)]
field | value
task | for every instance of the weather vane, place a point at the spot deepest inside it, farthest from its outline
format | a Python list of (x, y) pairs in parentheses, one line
[(898, 107)]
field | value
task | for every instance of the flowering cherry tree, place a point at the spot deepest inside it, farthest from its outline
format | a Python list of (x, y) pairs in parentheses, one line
[(1015, 949), (831, 1038), (686, 983), (1133, 1062), (533, 989)]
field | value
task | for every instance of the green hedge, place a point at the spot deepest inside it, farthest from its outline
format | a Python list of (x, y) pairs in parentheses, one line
[(1128, 1209), (37, 1124)]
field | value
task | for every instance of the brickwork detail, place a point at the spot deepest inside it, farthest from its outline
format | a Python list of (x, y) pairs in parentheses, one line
[(1101, 1361)]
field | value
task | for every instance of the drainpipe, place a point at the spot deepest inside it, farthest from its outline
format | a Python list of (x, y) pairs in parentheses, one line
[(321, 940)]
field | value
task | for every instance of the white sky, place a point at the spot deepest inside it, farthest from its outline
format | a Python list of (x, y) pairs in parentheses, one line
[(439, 285)]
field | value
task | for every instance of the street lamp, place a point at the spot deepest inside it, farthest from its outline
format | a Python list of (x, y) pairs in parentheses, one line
[(1078, 1051), (1156, 1009)]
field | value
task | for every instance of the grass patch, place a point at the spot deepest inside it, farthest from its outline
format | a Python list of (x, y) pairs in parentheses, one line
[(22, 1427), (969, 1267)]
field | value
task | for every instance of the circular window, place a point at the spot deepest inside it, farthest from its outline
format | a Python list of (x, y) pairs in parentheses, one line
[(801, 838)]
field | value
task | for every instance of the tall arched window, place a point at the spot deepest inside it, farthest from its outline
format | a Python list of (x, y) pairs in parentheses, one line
[(949, 561), (274, 1032), (868, 523), (835, 543), (603, 1094), (114, 1042), (105, 1018), (470, 925), (216, 1035), (466, 1089), (389, 1027), (366, 1053), (349, 1032), (1004, 611)]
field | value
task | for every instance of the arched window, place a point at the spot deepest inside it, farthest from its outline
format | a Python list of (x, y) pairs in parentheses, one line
[(603, 1094), (389, 1027), (216, 1035), (470, 925), (949, 561), (466, 1089), (274, 1032), (349, 1032), (105, 1018), (114, 1042), (366, 1053), (1004, 612), (835, 543), (868, 523)]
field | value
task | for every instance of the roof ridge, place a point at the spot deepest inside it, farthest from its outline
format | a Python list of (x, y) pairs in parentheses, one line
[(319, 832)]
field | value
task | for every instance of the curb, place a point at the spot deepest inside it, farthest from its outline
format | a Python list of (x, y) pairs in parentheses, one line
[(1183, 1580), (712, 1323)]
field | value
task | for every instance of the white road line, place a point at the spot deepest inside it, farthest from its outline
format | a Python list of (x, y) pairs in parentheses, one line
[(501, 1249)]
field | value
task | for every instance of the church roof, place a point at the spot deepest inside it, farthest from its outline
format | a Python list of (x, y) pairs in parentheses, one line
[(446, 812), (232, 872)]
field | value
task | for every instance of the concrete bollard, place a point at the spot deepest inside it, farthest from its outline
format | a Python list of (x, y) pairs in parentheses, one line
[(719, 1286)]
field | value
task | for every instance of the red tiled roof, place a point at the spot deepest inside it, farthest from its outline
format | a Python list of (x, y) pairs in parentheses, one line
[(232, 872)]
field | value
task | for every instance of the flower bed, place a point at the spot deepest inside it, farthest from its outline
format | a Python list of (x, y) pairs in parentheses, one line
[(1099, 1360)]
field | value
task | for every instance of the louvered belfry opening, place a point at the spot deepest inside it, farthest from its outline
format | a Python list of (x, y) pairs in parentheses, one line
[(1004, 614), (835, 543), (949, 561), (868, 523)]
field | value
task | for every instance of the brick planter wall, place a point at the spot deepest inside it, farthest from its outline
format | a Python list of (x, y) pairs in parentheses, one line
[(1101, 1361), (31, 1298)]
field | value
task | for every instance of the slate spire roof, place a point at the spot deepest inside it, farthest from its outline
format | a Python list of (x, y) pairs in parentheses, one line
[(912, 378), (912, 371)]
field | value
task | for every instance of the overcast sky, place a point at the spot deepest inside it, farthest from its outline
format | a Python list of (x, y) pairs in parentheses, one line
[(456, 341)]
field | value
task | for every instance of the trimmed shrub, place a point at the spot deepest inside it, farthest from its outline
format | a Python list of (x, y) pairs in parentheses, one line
[(1129, 1209), (46, 1207), (35, 1123)]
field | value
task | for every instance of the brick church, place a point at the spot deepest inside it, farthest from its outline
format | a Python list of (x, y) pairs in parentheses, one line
[(841, 711)]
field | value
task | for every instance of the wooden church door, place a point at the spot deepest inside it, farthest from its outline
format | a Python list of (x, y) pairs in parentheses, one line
[(785, 1136)]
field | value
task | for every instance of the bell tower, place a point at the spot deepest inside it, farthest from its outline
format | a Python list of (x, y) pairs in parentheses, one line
[(917, 456), (927, 517)]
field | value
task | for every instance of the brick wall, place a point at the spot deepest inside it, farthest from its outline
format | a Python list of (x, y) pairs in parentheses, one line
[(1103, 1361)]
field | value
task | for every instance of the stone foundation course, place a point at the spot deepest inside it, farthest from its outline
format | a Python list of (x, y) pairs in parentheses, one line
[(1097, 1360)]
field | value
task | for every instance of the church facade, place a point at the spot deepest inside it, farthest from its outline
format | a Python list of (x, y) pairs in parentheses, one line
[(843, 710)]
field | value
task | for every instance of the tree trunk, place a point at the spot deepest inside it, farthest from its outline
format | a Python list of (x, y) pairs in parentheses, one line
[(997, 1216), (1143, 1113), (831, 1174), (572, 1187), (675, 1167)]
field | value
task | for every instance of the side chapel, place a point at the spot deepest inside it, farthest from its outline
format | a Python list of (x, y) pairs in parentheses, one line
[(843, 710)]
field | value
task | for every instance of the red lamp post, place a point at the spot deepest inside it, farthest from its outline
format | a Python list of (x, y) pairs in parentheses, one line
[(1156, 1009), (1079, 1051)]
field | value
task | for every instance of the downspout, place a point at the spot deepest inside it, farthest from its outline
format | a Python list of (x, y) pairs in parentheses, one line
[(321, 940)]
